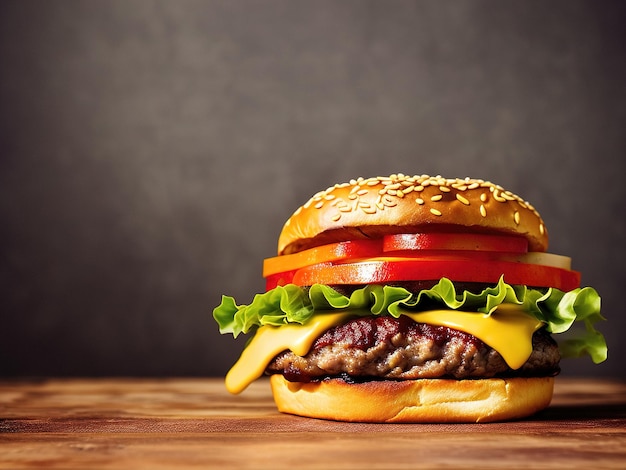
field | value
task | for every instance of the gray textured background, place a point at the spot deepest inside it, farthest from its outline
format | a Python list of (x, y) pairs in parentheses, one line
[(150, 152)]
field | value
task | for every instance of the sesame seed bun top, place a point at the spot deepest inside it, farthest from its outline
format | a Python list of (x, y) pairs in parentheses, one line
[(373, 207)]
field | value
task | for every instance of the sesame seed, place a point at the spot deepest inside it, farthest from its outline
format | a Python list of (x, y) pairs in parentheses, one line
[(462, 199), (483, 211), (436, 197), (420, 201), (362, 192), (367, 207), (388, 201), (444, 189), (435, 211), (498, 197), (336, 217), (319, 205), (483, 197), (516, 217)]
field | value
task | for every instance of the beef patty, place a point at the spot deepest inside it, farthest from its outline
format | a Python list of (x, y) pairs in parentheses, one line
[(389, 348)]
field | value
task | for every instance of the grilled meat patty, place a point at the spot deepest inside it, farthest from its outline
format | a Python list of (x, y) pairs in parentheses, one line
[(399, 348)]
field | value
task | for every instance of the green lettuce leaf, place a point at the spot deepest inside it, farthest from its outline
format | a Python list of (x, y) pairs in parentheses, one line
[(559, 310)]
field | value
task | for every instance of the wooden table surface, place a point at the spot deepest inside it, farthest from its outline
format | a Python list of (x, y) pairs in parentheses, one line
[(195, 423)]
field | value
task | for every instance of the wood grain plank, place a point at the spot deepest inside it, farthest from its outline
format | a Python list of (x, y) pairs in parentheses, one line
[(195, 423)]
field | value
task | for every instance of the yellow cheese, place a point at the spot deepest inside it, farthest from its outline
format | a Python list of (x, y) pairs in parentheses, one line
[(271, 340), (508, 330)]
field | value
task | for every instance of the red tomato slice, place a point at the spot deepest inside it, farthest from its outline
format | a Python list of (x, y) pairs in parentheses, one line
[(455, 241), (320, 254), (462, 270), (279, 279), (414, 242)]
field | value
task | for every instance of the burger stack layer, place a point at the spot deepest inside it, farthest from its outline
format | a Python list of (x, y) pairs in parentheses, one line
[(413, 299)]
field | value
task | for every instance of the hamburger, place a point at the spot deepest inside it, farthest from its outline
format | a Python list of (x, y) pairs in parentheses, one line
[(413, 299)]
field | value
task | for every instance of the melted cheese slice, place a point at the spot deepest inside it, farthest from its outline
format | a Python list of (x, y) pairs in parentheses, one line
[(508, 330)]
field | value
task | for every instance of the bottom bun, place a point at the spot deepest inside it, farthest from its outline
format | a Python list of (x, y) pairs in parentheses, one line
[(414, 401)]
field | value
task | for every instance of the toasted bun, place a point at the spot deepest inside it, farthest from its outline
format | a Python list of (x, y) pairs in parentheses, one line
[(370, 208), (414, 401)]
